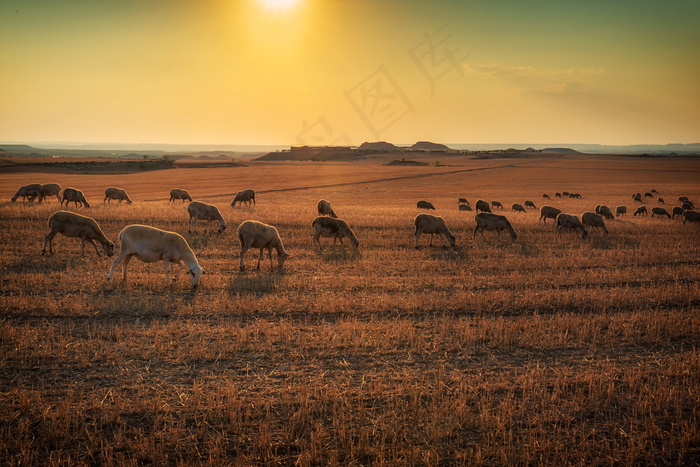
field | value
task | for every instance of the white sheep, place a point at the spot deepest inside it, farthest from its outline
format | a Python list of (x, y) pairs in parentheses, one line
[(330, 227), (73, 195), (491, 222), (178, 193), (150, 244), (31, 192), (116, 193), (204, 212), (548, 212), (325, 208), (245, 196), (254, 234), (74, 225), (591, 219), (51, 189), (429, 224), (570, 222)]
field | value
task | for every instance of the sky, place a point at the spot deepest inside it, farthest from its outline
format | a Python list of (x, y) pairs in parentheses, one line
[(341, 72)]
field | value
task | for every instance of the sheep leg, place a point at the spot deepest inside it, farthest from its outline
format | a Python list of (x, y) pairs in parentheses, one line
[(93, 244), (244, 248), (417, 236), (260, 257), (49, 239), (316, 241), (166, 265), (122, 257), (498, 235)]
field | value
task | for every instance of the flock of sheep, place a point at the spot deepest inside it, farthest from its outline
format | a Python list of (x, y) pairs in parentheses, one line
[(150, 244)]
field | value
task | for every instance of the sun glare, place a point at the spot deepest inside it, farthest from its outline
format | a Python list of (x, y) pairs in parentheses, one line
[(279, 4)]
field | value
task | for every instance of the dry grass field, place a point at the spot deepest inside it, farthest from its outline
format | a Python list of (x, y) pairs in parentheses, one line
[(551, 350)]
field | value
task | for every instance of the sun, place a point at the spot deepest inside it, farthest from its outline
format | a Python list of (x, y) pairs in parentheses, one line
[(279, 4)]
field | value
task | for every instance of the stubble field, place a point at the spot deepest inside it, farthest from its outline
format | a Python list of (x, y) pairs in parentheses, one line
[(550, 350)]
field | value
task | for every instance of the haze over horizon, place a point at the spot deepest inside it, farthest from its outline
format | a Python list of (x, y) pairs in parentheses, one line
[(328, 72)]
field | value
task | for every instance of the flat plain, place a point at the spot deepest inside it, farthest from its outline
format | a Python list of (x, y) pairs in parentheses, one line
[(550, 350)]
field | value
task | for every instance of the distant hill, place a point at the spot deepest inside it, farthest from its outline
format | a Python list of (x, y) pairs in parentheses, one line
[(378, 146), (428, 146), (559, 151)]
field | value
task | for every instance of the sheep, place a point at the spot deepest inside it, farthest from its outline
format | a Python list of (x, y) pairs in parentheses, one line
[(682, 199), (648, 195), (691, 216), (325, 209), (496, 204), (571, 222), (331, 227), (637, 198), (465, 207), (254, 234), (482, 206), (659, 212), (654, 191), (31, 192), (621, 211), (591, 219), (73, 225), (548, 212), (688, 205), (150, 244), (604, 211), (491, 222), (557, 195), (566, 194), (462, 200), (245, 196), (51, 189), (178, 193), (116, 193), (429, 224), (530, 204), (545, 196), (660, 200), (204, 212), (74, 195), (575, 195), (425, 205), (677, 212), (517, 207), (641, 211)]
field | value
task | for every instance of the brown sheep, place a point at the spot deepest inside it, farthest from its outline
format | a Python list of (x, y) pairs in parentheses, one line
[(591, 219), (557, 195), (462, 200), (570, 222), (496, 204), (178, 193), (548, 212), (661, 200), (75, 196), (325, 209), (677, 212), (245, 196), (691, 216), (150, 245), (545, 196), (482, 206), (74, 225), (254, 234), (204, 212), (491, 222), (51, 189), (429, 224), (648, 195), (30, 192), (687, 206), (116, 193), (604, 211), (621, 211), (425, 205), (637, 198), (465, 207), (641, 211), (331, 227), (530, 204), (659, 212), (517, 207)]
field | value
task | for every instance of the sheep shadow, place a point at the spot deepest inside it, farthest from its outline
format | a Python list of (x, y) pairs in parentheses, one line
[(439, 253), (255, 283), (339, 255)]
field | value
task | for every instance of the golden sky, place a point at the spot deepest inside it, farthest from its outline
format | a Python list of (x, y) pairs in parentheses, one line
[(348, 71)]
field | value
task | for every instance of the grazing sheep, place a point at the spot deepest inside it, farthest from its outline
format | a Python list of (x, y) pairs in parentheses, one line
[(604, 211), (548, 212), (178, 193), (330, 227), (465, 207), (648, 195), (30, 192), (429, 224), (74, 225), (659, 212), (637, 198), (636, 195), (688, 205), (517, 207), (74, 195), (530, 204), (51, 189), (641, 211), (565, 194), (557, 195), (654, 191), (496, 204), (482, 206), (245, 196), (425, 205), (691, 216), (575, 195), (661, 201), (150, 244), (570, 222), (204, 212), (325, 209), (621, 211), (254, 234), (116, 193), (677, 212), (682, 199), (545, 196), (463, 200), (491, 222), (591, 219)]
